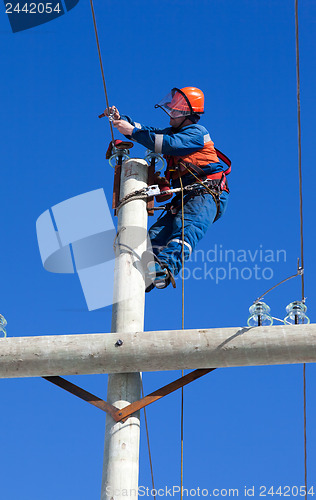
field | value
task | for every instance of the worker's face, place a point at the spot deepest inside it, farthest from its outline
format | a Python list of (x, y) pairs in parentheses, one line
[(176, 122), (179, 122)]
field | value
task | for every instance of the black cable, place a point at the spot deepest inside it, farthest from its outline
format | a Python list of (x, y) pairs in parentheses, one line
[(301, 216), (101, 65)]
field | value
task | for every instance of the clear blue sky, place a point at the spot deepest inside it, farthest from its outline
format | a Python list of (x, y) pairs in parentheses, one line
[(243, 426)]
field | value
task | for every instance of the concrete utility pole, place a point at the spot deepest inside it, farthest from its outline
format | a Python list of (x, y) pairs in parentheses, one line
[(94, 353), (121, 451)]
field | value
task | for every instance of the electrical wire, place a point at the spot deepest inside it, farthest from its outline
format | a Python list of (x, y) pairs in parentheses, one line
[(301, 218), (101, 65), (182, 201), (278, 319), (299, 144), (299, 272)]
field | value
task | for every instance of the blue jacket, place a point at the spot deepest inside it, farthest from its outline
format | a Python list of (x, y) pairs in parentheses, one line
[(171, 142)]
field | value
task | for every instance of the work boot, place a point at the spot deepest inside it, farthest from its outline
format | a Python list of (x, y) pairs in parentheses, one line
[(157, 273)]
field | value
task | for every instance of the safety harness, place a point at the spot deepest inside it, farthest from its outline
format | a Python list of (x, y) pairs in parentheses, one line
[(214, 183)]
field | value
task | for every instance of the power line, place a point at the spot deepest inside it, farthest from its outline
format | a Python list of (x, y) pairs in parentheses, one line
[(101, 65), (301, 218), (299, 142)]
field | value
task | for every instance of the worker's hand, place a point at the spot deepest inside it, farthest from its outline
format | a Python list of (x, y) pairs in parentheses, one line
[(123, 126), (113, 111)]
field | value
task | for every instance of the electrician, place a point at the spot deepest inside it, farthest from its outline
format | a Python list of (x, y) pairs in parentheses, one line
[(191, 156)]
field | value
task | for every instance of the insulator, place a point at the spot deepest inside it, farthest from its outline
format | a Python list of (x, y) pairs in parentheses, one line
[(259, 315), (3, 324), (117, 154), (296, 314), (159, 161)]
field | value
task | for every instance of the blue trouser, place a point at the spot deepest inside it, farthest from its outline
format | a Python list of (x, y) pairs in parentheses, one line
[(166, 234)]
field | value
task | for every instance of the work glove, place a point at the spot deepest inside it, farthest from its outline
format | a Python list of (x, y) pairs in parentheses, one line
[(164, 185)]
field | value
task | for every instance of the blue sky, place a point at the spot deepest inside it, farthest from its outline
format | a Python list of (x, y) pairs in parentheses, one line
[(243, 426)]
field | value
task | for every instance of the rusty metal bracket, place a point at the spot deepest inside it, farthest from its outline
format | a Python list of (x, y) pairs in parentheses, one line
[(151, 200), (116, 186), (121, 415), (85, 395), (125, 412)]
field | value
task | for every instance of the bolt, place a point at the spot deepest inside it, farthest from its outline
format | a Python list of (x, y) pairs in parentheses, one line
[(118, 343)]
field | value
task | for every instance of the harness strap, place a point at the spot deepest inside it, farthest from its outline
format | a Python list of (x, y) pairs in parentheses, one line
[(174, 205), (203, 176), (224, 159)]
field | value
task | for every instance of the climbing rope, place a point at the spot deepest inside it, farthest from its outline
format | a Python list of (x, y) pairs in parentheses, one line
[(136, 195), (148, 443), (305, 433), (146, 193), (301, 219), (200, 183), (182, 250), (101, 65), (182, 326)]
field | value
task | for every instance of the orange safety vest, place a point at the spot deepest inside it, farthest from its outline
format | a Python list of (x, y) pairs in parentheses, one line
[(208, 154)]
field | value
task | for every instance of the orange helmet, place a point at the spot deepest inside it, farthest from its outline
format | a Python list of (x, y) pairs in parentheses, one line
[(183, 102)]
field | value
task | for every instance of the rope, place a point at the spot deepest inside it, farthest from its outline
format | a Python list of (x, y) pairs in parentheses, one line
[(301, 218), (182, 390), (200, 182), (137, 195), (305, 437), (148, 444), (182, 326), (182, 214), (101, 65)]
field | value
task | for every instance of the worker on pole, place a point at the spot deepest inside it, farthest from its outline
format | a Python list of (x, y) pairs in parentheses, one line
[(192, 160)]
